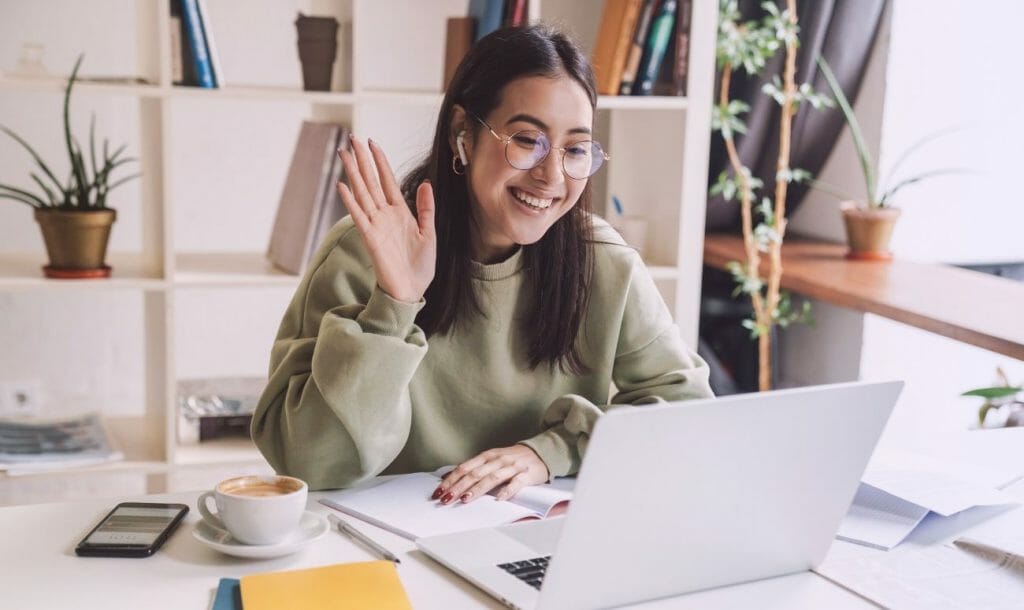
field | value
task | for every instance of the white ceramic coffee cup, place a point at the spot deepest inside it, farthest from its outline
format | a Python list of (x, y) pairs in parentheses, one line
[(256, 509)]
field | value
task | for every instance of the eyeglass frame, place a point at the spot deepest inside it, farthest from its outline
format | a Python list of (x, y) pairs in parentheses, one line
[(507, 139)]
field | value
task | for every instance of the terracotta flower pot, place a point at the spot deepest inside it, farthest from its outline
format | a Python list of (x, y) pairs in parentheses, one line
[(76, 241), (868, 230)]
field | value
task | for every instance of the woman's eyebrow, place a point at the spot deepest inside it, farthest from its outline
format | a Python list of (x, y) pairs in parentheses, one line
[(526, 118)]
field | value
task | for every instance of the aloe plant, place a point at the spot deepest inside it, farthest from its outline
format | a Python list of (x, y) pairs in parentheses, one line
[(878, 196), (86, 187)]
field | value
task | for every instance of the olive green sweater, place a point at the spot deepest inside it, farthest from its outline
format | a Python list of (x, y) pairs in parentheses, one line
[(356, 389)]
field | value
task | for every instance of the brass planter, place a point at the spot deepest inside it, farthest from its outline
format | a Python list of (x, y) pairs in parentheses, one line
[(868, 231), (76, 241)]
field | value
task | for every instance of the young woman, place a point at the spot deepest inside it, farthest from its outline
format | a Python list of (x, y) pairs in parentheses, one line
[(477, 314)]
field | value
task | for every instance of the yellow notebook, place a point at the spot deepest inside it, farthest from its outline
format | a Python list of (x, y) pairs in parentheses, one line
[(369, 584)]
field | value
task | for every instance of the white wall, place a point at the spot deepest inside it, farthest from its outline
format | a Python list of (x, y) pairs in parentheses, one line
[(938, 63)]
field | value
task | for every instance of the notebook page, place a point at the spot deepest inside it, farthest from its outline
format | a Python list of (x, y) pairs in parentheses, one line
[(936, 491), (402, 505), (879, 519), (540, 499)]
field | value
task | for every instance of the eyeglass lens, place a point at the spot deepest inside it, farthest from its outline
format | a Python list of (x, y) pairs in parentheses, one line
[(528, 149)]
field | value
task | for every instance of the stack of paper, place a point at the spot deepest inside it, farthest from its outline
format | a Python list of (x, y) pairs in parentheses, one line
[(890, 503)]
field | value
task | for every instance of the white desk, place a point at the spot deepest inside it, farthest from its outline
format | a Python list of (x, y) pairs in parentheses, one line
[(38, 567)]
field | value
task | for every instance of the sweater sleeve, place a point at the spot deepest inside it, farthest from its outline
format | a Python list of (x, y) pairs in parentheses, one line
[(336, 409), (651, 365)]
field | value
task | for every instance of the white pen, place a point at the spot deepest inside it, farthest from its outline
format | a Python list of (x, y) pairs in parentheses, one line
[(355, 534)]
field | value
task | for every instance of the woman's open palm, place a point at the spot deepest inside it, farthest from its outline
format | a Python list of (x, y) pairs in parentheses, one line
[(403, 247)]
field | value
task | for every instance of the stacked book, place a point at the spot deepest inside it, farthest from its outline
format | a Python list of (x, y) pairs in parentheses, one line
[(194, 58), (33, 445), (310, 204), (218, 407), (642, 47)]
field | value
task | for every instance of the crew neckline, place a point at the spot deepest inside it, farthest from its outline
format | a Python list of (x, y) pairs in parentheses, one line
[(498, 271)]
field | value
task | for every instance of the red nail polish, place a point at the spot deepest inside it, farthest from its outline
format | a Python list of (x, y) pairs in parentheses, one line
[(448, 497), (437, 493), (465, 498)]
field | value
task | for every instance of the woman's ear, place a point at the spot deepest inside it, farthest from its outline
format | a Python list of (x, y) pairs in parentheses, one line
[(460, 139)]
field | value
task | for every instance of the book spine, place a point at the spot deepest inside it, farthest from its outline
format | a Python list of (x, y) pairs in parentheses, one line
[(177, 70), (613, 41), (196, 42), (458, 40), (636, 49), (211, 46), (681, 61), (657, 43), (488, 14)]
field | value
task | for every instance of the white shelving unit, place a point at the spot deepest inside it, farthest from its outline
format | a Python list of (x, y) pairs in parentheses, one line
[(194, 265)]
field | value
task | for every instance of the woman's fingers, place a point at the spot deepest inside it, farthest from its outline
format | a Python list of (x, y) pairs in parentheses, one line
[(355, 184), (515, 485), (392, 192), (368, 171), (425, 208), (353, 207), (515, 467)]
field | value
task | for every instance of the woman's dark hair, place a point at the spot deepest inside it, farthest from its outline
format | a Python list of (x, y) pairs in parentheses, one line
[(559, 266)]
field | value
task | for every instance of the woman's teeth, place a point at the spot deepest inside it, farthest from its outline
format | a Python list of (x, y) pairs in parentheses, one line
[(530, 200)]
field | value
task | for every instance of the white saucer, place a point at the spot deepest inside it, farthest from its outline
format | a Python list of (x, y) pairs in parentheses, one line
[(312, 527)]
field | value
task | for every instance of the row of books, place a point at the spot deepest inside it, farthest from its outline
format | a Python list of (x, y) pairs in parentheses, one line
[(483, 17), (642, 47), (310, 204), (194, 58)]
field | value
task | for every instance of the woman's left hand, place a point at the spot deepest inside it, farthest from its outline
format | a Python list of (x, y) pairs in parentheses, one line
[(515, 467)]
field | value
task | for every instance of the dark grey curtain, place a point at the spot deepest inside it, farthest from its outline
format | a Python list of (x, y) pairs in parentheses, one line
[(841, 31)]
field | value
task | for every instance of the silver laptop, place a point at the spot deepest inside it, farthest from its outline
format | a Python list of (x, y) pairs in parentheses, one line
[(687, 496)]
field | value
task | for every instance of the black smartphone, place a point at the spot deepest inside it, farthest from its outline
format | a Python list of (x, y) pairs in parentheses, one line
[(132, 529)]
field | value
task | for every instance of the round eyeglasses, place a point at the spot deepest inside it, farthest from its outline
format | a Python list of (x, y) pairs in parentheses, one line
[(528, 148)]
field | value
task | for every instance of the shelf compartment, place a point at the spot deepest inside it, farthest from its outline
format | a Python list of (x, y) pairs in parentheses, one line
[(222, 451), (221, 269)]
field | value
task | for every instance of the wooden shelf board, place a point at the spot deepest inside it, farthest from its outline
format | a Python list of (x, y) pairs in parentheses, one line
[(56, 84), (644, 102), (205, 269), (967, 306), (23, 271), (262, 93)]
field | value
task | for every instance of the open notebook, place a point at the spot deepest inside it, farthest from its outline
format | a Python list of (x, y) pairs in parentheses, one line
[(402, 505)]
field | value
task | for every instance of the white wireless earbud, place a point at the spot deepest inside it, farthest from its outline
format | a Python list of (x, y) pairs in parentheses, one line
[(462, 148)]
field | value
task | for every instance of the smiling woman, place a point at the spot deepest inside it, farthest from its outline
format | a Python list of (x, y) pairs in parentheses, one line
[(477, 314)]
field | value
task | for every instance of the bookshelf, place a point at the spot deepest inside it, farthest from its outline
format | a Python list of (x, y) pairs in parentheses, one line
[(191, 294)]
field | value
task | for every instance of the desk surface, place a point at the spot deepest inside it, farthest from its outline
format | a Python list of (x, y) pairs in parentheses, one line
[(968, 306), (40, 569)]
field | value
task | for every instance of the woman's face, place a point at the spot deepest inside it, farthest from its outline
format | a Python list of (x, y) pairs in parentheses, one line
[(513, 206)]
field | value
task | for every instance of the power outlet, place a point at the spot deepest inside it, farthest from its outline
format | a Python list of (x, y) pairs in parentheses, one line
[(21, 397)]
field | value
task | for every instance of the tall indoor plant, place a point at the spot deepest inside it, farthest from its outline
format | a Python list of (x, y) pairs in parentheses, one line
[(747, 46), (870, 220), (73, 214)]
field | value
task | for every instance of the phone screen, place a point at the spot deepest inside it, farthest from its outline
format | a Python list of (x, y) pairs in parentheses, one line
[(133, 525), (132, 529)]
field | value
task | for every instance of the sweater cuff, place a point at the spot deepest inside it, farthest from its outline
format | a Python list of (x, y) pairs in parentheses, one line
[(555, 451), (384, 315)]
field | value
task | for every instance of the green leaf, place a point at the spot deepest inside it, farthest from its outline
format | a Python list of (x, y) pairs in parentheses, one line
[(32, 152), (863, 152), (887, 195), (21, 195), (993, 392)]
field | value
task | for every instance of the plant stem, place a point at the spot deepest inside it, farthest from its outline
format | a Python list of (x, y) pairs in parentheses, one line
[(750, 246)]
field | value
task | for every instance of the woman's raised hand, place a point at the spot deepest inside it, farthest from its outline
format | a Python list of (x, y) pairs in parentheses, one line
[(403, 247)]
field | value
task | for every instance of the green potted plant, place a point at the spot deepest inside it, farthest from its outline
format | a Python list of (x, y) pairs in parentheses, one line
[(870, 220), (73, 214)]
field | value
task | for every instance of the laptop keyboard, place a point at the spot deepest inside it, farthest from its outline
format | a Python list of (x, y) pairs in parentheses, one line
[(530, 571)]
